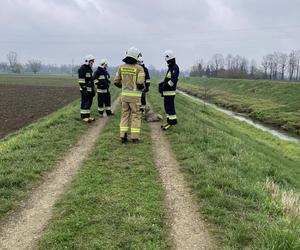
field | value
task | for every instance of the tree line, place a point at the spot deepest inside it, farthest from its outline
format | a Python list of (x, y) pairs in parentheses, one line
[(274, 66)]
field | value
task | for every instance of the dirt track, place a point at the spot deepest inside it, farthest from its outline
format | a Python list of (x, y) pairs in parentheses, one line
[(188, 230), (21, 105), (22, 230)]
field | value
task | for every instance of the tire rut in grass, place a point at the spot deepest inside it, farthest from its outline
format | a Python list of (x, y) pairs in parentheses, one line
[(187, 229), (22, 229)]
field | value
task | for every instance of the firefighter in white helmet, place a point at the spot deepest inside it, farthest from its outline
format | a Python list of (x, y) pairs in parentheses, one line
[(86, 83), (102, 81), (168, 89), (131, 78)]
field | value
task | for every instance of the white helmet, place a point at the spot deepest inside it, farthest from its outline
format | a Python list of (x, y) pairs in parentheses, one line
[(169, 54), (133, 52), (104, 62), (141, 59), (89, 58)]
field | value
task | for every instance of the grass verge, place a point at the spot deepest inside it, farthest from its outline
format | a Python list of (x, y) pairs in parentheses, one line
[(115, 202), (27, 154), (227, 164), (271, 102)]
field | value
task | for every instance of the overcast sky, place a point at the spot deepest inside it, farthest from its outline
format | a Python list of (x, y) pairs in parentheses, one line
[(55, 31)]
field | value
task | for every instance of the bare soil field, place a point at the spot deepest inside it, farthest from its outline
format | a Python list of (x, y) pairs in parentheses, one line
[(20, 105)]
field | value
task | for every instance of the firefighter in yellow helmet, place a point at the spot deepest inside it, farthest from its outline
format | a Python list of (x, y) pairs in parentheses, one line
[(131, 78)]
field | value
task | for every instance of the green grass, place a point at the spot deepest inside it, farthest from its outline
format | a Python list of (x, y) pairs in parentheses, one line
[(30, 152), (273, 102), (115, 202), (39, 80), (227, 163)]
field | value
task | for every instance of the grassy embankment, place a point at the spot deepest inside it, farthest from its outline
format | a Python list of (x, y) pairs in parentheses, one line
[(30, 152), (227, 164), (115, 202), (271, 102)]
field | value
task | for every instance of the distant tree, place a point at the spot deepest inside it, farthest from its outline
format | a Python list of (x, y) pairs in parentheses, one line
[(34, 65), (218, 63), (3, 66), (12, 58), (292, 64), (282, 64)]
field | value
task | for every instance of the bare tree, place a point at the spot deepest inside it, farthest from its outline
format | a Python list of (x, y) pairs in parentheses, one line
[(265, 64), (253, 68), (12, 58), (292, 64), (34, 65), (297, 64), (282, 63), (218, 62), (3, 66)]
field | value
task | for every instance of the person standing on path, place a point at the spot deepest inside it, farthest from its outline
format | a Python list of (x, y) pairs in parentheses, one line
[(102, 81), (131, 78), (147, 84), (168, 89), (87, 90)]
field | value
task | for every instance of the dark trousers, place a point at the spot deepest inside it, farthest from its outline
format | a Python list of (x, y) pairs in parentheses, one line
[(143, 100), (104, 99), (86, 103), (169, 103)]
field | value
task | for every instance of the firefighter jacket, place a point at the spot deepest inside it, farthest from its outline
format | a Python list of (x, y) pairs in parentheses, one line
[(101, 80), (85, 78), (169, 85), (131, 78), (147, 78)]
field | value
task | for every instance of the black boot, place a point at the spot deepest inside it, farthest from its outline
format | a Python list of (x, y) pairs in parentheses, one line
[(109, 113), (124, 139)]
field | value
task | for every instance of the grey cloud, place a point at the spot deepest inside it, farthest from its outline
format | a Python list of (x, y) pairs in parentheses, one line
[(57, 31)]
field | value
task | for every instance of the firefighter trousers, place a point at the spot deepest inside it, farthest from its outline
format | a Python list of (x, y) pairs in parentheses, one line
[(130, 113), (86, 103), (169, 103), (143, 101), (104, 103)]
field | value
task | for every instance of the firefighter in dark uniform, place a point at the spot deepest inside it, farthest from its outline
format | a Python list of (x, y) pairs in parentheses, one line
[(102, 81), (87, 90), (147, 84), (168, 89)]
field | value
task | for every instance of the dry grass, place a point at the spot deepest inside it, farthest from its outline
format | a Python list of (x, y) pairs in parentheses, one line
[(288, 199)]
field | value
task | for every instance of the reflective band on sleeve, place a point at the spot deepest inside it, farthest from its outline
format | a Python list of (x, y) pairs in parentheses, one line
[(88, 75), (80, 80), (131, 93), (169, 75), (169, 93), (96, 81), (102, 77), (135, 130), (102, 90), (124, 129), (85, 111), (171, 84), (148, 81), (172, 117)]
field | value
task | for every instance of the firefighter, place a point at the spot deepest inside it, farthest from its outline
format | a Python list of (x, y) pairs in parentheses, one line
[(168, 89), (87, 90), (102, 81), (131, 78), (147, 84)]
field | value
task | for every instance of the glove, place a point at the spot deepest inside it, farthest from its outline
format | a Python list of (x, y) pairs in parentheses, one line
[(140, 86)]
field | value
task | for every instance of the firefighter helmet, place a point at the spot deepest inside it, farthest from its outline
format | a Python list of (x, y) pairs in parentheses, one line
[(169, 54), (141, 60), (89, 58), (133, 52), (104, 62)]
